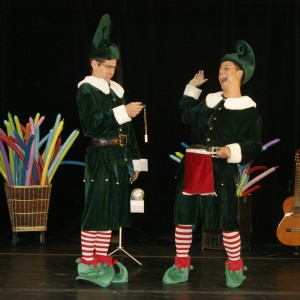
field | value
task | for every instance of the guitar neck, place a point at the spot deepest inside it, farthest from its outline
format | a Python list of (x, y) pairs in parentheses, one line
[(297, 186)]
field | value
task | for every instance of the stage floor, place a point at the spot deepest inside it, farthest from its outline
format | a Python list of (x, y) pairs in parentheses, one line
[(30, 270)]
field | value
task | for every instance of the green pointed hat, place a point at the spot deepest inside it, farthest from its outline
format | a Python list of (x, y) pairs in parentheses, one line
[(244, 58), (101, 46)]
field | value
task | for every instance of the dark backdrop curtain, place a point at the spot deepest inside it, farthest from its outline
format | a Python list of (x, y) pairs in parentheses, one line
[(163, 43)]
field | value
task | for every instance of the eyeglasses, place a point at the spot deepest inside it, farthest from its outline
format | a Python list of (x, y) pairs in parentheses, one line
[(108, 67)]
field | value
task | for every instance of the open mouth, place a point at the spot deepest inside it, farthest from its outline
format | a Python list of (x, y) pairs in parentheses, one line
[(223, 79)]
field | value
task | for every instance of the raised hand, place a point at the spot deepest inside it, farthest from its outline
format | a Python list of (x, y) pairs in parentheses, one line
[(198, 79)]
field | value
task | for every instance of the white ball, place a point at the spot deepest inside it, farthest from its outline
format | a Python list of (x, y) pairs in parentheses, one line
[(137, 194)]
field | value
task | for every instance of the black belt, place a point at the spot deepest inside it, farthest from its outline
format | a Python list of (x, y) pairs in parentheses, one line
[(121, 140)]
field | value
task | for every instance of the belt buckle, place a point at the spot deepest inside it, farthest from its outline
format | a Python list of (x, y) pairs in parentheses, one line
[(123, 139), (214, 151)]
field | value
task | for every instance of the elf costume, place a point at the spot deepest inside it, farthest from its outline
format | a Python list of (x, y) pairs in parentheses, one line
[(215, 122), (110, 160)]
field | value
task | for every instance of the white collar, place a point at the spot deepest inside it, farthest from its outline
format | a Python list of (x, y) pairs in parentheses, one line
[(103, 85), (231, 103)]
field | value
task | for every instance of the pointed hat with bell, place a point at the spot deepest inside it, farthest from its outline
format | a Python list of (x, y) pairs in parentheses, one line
[(101, 46)]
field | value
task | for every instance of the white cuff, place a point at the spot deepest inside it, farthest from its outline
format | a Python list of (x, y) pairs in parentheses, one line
[(236, 155), (121, 114), (192, 91)]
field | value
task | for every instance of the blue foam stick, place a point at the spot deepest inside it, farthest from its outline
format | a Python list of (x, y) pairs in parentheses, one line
[(184, 145), (72, 162)]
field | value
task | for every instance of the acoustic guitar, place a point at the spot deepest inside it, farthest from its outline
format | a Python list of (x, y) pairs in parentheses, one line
[(288, 230)]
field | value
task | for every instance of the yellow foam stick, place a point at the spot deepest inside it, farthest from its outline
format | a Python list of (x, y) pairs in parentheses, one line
[(241, 185), (62, 155), (1, 160), (51, 151), (36, 119), (11, 121), (18, 126), (180, 155), (3, 172)]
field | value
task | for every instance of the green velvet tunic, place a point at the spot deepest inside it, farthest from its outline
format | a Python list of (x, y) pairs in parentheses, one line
[(217, 126), (107, 168)]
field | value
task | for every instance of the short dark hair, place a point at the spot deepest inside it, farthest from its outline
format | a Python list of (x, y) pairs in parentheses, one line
[(99, 60)]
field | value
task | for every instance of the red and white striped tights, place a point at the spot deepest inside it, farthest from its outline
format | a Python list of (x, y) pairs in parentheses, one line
[(94, 242), (184, 237), (232, 244)]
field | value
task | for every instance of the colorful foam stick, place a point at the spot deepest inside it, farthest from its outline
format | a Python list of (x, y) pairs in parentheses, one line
[(36, 142), (73, 162), (1, 160), (17, 147), (3, 173), (175, 158), (246, 176), (264, 147), (259, 177), (49, 141), (61, 154), (20, 141), (11, 121), (26, 159), (251, 190), (2, 132), (17, 151), (57, 147), (57, 121), (25, 162), (30, 163), (27, 133), (6, 161), (16, 173), (36, 118), (50, 153), (18, 126), (1, 156), (40, 121), (271, 143), (21, 146), (244, 169), (32, 127), (10, 151), (243, 181), (257, 168), (184, 145), (180, 155)]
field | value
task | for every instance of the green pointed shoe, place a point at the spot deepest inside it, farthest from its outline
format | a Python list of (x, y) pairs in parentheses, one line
[(234, 273), (234, 278), (87, 273), (174, 275), (122, 275), (85, 267), (97, 273), (105, 275), (179, 272)]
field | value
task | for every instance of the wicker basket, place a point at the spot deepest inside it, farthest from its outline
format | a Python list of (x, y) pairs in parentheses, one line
[(28, 206)]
